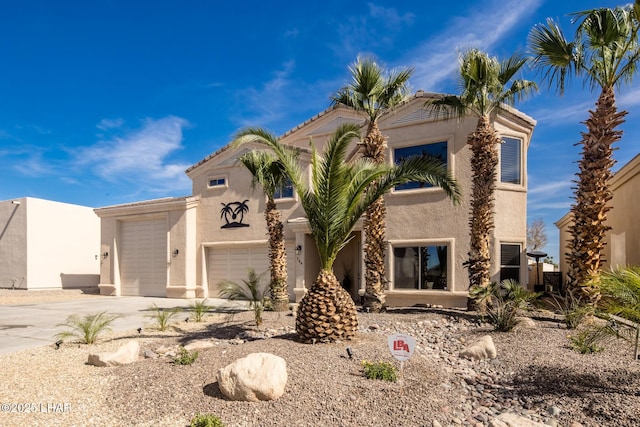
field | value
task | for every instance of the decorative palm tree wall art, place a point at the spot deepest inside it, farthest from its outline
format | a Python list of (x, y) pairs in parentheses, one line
[(233, 214)]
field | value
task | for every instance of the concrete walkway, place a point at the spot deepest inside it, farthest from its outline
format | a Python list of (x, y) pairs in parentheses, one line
[(29, 326)]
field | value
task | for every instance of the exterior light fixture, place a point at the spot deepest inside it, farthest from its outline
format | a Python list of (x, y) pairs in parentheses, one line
[(58, 344), (15, 202), (349, 352), (298, 249), (105, 255), (139, 330), (175, 253)]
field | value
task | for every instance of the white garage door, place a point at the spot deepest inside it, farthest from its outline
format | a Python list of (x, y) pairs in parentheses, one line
[(232, 263), (143, 257)]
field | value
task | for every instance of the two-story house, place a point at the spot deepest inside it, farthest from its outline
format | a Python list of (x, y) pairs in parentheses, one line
[(182, 247)]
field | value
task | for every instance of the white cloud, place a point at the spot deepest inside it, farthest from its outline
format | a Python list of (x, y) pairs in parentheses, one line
[(106, 124), (389, 16), (628, 98), (141, 156), (436, 59)]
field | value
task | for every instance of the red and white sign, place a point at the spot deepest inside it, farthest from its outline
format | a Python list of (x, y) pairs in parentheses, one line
[(401, 346)]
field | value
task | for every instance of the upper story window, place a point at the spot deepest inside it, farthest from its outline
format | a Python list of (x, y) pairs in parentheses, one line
[(436, 149), (510, 160), (217, 182), (284, 191)]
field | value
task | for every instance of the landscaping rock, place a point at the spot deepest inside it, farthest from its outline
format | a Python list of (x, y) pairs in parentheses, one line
[(199, 345), (525, 323), (256, 377), (126, 354), (512, 420), (482, 349)]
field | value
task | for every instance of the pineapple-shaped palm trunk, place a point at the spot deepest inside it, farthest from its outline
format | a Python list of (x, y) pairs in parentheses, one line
[(278, 258), (326, 313), (484, 160), (592, 194), (373, 148)]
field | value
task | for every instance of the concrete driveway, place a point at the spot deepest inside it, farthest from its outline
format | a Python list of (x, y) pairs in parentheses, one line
[(34, 325)]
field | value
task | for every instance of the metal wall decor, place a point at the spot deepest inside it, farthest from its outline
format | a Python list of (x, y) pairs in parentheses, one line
[(233, 214)]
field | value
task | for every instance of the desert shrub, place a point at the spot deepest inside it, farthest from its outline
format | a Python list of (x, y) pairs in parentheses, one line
[(87, 328), (620, 290), (200, 308), (251, 289), (206, 420), (162, 316), (380, 371), (184, 357), (505, 302), (570, 308)]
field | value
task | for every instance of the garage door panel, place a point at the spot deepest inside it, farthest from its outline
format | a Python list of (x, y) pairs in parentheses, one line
[(143, 263)]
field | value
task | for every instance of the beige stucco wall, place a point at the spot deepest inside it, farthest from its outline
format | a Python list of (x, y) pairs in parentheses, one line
[(181, 219), (49, 244)]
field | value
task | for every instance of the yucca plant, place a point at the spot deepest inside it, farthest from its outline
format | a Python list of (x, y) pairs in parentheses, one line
[(505, 303), (620, 289), (87, 328), (163, 316), (251, 289), (200, 309)]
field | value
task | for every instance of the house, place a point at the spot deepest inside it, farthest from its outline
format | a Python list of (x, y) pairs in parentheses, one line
[(48, 245), (182, 247), (623, 240)]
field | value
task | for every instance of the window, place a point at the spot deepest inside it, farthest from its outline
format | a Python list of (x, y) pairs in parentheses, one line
[(510, 164), (284, 191), (510, 262), (420, 267), (436, 149), (217, 182)]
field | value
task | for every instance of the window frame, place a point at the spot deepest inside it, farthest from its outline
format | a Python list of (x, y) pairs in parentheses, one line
[(418, 143), (507, 267), (448, 243), (520, 164), (225, 184), (285, 198)]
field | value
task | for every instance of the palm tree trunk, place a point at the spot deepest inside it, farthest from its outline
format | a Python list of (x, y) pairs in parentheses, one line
[(484, 160), (374, 146), (278, 258), (326, 313), (591, 197)]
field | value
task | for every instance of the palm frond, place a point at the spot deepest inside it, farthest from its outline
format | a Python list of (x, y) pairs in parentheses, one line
[(554, 54)]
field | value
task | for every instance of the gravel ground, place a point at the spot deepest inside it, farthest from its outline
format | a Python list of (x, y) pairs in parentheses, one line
[(535, 376)]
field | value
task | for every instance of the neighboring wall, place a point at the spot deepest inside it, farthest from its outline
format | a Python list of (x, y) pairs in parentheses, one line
[(48, 244)]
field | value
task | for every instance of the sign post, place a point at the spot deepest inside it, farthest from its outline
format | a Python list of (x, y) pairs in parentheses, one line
[(401, 347)]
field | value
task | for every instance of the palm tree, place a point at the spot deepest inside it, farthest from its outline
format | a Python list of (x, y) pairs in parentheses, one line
[(338, 195), (487, 84), (269, 174), (605, 54), (374, 91)]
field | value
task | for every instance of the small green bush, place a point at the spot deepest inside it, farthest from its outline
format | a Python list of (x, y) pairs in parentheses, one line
[(251, 289), (200, 308), (87, 327), (184, 357), (163, 316), (380, 371), (505, 303), (206, 420), (587, 341)]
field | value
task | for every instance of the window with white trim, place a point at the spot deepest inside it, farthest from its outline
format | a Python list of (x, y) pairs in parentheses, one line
[(510, 261), (511, 160), (435, 149), (217, 182), (420, 267)]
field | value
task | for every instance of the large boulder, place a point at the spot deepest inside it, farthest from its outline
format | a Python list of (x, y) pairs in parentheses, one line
[(481, 349), (126, 354), (256, 377)]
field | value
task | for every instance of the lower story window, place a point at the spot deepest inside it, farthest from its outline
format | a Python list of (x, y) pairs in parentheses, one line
[(420, 267), (510, 262)]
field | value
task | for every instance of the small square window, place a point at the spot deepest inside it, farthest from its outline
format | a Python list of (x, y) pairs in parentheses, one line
[(217, 182), (284, 191)]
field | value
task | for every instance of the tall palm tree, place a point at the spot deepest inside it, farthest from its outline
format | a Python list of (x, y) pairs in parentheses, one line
[(267, 171), (338, 195), (605, 54), (487, 84), (374, 91)]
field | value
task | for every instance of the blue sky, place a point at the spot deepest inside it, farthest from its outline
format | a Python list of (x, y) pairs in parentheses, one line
[(104, 103)]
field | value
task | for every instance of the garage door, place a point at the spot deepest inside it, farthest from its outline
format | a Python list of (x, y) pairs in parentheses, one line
[(232, 263), (143, 257)]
